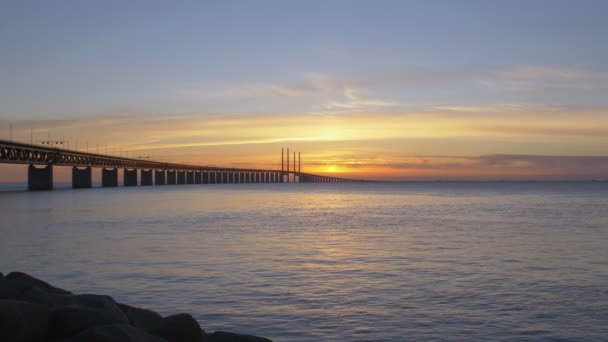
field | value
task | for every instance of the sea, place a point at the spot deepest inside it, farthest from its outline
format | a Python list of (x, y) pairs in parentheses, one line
[(410, 261)]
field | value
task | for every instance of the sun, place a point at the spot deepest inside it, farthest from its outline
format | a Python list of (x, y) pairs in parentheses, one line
[(331, 168)]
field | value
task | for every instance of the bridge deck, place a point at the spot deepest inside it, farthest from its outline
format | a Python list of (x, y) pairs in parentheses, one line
[(19, 153)]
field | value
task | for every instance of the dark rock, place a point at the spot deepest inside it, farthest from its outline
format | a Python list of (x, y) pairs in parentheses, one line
[(115, 333), (179, 328), (25, 282), (8, 290), (223, 336), (40, 296), (23, 321), (36, 295), (141, 318), (70, 320)]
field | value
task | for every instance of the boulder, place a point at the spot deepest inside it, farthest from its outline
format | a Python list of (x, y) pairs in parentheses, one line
[(70, 320), (179, 328), (223, 336), (141, 318), (40, 296), (115, 333), (25, 282), (107, 303), (8, 290), (23, 321)]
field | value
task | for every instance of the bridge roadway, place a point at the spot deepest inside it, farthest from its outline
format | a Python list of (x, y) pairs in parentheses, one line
[(41, 160)]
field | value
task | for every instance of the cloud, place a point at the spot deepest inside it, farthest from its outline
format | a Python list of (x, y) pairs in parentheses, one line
[(485, 167), (542, 78), (354, 100)]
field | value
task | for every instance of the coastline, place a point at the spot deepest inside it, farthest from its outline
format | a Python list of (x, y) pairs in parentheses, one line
[(32, 310)]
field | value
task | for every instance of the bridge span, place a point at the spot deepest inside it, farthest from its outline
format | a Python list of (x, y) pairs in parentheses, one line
[(41, 160)]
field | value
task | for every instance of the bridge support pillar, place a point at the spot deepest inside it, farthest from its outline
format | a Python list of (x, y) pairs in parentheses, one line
[(189, 177), (225, 177), (82, 177), (181, 177), (171, 177), (231, 177), (160, 177), (211, 177), (146, 177), (40, 178), (198, 177), (206, 177), (130, 177), (109, 178)]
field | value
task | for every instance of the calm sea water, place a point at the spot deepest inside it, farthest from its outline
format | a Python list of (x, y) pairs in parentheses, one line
[(322, 262)]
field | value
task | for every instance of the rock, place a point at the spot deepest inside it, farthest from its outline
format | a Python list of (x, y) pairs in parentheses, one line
[(23, 321), (115, 333), (25, 282), (141, 318), (179, 328), (223, 336), (1, 275), (68, 321), (40, 296), (8, 290), (107, 303)]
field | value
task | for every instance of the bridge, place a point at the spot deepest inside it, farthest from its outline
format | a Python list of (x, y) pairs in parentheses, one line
[(41, 160)]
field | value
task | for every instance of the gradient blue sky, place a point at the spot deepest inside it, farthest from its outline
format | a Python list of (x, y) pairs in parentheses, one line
[(447, 78)]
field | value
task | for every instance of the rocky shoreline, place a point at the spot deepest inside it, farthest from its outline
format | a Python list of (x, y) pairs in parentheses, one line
[(32, 310)]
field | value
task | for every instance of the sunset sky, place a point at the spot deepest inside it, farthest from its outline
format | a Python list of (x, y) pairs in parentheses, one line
[(388, 90)]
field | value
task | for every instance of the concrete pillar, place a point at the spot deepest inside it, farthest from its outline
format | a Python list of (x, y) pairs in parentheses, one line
[(231, 177), (211, 177), (181, 177), (205, 177), (160, 177), (40, 178), (130, 177), (189, 177), (198, 177), (109, 178), (82, 178), (171, 177), (147, 178), (225, 177)]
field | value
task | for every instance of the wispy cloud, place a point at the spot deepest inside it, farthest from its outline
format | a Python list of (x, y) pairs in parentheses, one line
[(354, 100), (485, 167)]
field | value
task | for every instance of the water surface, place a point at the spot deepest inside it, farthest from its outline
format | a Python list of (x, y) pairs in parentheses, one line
[(332, 262)]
